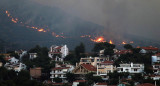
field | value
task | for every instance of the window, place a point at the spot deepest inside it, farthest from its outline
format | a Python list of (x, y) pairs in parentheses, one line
[(59, 75), (135, 69), (156, 66)]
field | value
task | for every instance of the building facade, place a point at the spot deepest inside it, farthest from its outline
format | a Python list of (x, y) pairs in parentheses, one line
[(93, 60), (59, 72), (156, 68), (156, 58), (131, 68), (58, 53), (32, 55)]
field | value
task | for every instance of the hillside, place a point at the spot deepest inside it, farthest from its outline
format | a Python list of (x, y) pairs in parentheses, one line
[(67, 29)]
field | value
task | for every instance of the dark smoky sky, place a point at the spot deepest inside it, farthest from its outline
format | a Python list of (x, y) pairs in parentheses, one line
[(136, 17)]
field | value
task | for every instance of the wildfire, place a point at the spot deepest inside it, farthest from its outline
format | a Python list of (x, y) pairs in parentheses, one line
[(60, 35), (124, 43), (99, 39), (110, 42), (41, 30), (14, 20)]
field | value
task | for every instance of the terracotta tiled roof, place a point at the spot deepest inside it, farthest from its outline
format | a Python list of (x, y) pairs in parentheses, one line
[(80, 81), (146, 84), (89, 67), (7, 58), (150, 48), (59, 47), (37, 68), (101, 84), (107, 62), (59, 68)]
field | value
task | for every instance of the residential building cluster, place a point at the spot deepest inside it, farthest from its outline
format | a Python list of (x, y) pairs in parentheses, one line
[(101, 65)]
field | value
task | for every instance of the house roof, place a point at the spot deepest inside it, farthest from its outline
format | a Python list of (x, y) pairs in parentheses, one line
[(59, 47), (150, 48), (89, 67), (60, 68), (7, 58), (146, 84), (107, 62), (37, 68), (101, 83)]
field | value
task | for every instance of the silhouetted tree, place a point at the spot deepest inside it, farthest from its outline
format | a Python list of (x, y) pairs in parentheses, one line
[(70, 77), (128, 46), (108, 48), (80, 49)]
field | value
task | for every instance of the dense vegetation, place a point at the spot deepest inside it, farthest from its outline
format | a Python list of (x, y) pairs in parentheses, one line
[(11, 78)]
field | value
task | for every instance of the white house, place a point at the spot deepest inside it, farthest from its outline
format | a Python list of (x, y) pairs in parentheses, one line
[(156, 58), (32, 55), (58, 52), (16, 66), (93, 60), (131, 68), (156, 68), (60, 71), (149, 49), (104, 68), (154, 77), (13, 60)]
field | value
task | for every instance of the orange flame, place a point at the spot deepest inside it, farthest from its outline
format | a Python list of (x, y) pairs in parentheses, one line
[(99, 39), (124, 43), (14, 20), (110, 42)]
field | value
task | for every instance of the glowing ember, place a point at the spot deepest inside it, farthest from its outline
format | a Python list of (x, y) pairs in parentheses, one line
[(14, 20), (6, 12), (110, 42), (40, 30), (58, 36), (124, 43)]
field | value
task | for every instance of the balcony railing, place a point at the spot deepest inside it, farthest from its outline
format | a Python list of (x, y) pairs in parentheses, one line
[(57, 72)]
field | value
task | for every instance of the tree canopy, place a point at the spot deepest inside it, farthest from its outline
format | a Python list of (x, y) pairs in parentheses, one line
[(80, 49), (128, 46), (107, 47)]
